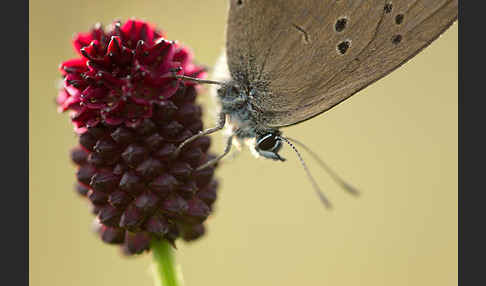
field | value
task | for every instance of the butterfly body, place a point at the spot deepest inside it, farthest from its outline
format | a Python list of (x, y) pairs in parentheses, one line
[(290, 60), (237, 101)]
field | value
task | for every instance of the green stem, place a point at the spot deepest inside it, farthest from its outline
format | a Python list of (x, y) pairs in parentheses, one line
[(166, 272)]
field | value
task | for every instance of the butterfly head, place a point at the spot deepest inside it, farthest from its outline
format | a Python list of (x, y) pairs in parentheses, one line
[(268, 145)]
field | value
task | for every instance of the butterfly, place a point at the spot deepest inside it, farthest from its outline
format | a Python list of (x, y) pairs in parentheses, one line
[(291, 60)]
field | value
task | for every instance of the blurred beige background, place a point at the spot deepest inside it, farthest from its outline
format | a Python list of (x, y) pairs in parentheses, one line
[(396, 140)]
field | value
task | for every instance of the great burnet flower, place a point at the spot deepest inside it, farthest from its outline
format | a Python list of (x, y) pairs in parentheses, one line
[(131, 113)]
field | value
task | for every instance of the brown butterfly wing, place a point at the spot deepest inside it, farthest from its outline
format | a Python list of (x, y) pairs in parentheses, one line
[(307, 61)]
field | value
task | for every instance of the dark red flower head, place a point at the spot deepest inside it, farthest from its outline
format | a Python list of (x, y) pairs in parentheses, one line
[(131, 114), (121, 74)]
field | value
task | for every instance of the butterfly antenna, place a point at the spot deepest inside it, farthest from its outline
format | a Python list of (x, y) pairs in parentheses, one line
[(340, 181), (198, 80), (321, 195)]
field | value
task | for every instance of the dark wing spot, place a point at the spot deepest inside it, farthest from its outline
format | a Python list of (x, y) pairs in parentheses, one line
[(397, 39), (388, 7), (399, 19), (340, 24), (343, 47)]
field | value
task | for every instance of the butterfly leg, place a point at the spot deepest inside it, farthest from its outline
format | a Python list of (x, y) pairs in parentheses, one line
[(227, 149), (197, 80), (219, 126)]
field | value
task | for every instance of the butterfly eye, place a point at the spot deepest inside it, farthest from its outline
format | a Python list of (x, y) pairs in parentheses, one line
[(269, 142)]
